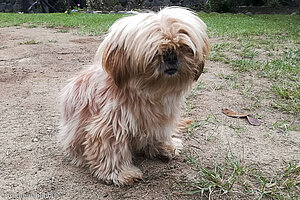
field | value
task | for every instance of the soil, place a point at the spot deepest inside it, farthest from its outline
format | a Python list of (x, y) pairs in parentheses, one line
[(33, 167)]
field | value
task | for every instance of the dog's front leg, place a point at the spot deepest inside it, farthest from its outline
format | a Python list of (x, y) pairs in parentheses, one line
[(165, 148), (111, 160)]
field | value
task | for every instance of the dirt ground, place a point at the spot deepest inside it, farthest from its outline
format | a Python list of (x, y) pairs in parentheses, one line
[(33, 167)]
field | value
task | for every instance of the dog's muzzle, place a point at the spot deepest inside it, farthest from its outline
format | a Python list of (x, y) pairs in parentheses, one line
[(171, 63)]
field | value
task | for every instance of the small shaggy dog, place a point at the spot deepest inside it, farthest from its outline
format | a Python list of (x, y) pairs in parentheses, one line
[(129, 100)]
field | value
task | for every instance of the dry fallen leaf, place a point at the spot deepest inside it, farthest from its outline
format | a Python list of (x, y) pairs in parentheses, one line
[(253, 121), (231, 113)]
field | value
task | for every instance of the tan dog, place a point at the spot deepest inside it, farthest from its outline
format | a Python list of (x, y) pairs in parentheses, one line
[(129, 100)]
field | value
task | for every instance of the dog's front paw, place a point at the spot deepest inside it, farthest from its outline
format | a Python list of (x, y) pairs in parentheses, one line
[(166, 154), (169, 151), (125, 175), (177, 145), (128, 176)]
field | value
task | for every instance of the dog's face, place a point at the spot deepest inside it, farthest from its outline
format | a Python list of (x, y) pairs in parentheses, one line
[(158, 52)]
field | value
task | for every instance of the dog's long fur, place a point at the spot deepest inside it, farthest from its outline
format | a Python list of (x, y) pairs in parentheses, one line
[(126, 102)]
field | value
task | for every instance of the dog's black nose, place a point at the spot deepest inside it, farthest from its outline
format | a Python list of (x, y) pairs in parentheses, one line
[(170, 58)]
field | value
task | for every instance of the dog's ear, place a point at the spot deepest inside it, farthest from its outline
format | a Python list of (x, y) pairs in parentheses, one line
[(115, 63), (205, 53), (199, 70)]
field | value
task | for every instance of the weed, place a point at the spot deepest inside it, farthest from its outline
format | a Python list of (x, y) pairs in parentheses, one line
[(237, 129), (29, 42), (52, 41), (189, 106), (285, 185), (248, 53), (194, 125), (285, 126), (219, 57), (31, 26), (200, 85), (63, 31), (245, 65), (216, 181)]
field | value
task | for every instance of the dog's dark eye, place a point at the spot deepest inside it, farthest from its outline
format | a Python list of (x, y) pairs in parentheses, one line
[(186, 50)]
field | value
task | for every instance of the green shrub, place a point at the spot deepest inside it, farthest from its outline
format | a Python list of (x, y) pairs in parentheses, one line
[(223, 5), (273, 3)]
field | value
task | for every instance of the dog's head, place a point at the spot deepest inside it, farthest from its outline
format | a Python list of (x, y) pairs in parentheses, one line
[(164, 50)]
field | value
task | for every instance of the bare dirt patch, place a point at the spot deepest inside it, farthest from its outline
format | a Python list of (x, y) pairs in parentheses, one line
[(32, 166)]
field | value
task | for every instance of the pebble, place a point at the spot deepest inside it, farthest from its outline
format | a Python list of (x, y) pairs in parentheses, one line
[(105, 195)]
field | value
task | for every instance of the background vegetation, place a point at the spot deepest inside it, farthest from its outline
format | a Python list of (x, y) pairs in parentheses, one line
[(233, 5)]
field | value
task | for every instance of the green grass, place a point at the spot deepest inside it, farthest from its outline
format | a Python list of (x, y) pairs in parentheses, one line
[(232, 173), (92, 24), (284, 185), (281, 27), (286, 126), (239, 26), (29, 42), (245, 65), (217, 181), (52, 41), (265, 46)]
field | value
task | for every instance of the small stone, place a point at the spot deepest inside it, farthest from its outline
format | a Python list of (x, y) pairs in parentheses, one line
[(105, 195), (35, 140)]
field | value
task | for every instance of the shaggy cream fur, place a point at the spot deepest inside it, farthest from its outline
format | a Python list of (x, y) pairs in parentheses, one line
[(129, 100)]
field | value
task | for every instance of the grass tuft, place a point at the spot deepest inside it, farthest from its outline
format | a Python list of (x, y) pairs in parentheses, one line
[(217, 181), (29, 42), (285, 185), (233, 174), (245, 65)]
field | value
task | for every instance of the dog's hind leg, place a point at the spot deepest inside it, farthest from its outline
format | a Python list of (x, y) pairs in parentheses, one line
[(110, 160)]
